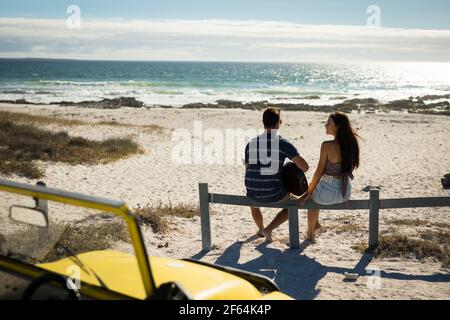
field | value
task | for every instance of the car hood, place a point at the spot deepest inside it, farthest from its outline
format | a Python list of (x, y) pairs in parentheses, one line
[(120, 272)]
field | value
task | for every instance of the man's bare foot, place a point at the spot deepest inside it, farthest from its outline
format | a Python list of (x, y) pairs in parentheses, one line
[(268, 235), (260, 234)]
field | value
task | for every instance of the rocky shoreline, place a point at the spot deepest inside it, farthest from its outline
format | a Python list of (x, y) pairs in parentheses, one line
[(367, 105), (102, 104)]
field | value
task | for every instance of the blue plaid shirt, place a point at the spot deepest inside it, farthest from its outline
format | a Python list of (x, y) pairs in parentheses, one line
[(263, 174)]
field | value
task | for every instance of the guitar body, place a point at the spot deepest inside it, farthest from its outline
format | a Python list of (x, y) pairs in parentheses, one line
[(294, 179)]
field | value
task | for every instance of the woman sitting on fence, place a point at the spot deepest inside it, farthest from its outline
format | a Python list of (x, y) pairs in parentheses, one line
[(338, 158)]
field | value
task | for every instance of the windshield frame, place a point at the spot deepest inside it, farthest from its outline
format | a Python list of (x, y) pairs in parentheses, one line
[(116, 207)]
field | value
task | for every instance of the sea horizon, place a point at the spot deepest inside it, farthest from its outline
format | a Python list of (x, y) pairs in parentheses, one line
[(176, 83)]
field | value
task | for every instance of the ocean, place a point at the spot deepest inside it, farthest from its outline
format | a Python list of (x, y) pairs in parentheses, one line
[(178, 83)]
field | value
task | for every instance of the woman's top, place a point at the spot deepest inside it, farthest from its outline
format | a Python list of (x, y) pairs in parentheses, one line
[(335, 170)]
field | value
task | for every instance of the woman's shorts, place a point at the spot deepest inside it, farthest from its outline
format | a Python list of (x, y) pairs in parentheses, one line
[(328, 191)]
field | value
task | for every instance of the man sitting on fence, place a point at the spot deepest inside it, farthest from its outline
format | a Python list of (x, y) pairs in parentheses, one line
[(264, 160)]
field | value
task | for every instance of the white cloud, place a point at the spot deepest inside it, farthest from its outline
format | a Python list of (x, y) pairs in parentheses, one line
[(223, 40)]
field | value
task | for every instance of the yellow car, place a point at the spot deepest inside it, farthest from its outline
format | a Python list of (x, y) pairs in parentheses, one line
[(41, 259)]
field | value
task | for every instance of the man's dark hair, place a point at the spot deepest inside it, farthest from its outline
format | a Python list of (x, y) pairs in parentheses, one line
[(271, 116)]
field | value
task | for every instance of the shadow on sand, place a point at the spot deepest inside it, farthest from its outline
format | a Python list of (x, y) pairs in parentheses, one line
[(297, 274)]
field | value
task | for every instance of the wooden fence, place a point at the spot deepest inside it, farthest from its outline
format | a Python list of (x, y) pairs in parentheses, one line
[(373, 204)]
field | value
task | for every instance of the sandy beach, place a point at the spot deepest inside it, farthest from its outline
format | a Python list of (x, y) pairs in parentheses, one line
[(404, 154)]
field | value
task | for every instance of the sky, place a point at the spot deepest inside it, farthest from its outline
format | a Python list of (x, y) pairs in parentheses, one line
[(232, 30)]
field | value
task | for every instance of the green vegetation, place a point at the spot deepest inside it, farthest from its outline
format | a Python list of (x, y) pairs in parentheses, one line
[(25, 118), (22, 144), (397, 245), (79, 238), (345, 228), (62, 240), (407, 222), (156, 216), (20, 117)]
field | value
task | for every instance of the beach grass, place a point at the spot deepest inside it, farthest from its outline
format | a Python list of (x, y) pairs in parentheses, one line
[(402, 246), (407, 222), (67, 239), (416, 223), (345, 228), (151, 128), (156, 216), (25, 118), (343, 224), (151, 218), (21, 168), (442, 225), (22, 144), (20, 117), (182, 210), (79, 238), (439, 236)]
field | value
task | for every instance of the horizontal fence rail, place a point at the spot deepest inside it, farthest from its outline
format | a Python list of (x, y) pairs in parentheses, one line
[(414, 202), (218, 198), (373, 204)]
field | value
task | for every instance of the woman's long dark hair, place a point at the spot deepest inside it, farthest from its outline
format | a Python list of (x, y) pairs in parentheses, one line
[(348, 143)]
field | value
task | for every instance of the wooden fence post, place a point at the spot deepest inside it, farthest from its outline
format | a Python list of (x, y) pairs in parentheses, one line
[(204, 216), (294, 242), (374, 218)]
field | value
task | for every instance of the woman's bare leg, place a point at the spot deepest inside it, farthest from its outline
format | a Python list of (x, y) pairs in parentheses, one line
[(318, 225), (313, 223)]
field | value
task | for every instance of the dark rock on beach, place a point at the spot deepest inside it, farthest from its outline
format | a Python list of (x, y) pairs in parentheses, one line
[(311, 97), (229, 104), (446, 181), (18, 101), (199, 105), (434, 97), (357, 101), (368, 105), (338, 98), (105, 103)]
